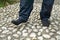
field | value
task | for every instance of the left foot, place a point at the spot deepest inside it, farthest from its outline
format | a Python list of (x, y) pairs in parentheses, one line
[(45, 22)]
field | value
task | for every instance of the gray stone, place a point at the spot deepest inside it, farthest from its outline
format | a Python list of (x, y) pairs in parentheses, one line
[(52, 39), (4, 28), (9, 37), (19, 32), (15, 35), (33, 27), (32, 35), (2, 35), (35, 30), (9, 32), (44, 27), (0, 30), (38, 27), (47, 30), (40, 38), (58, 32), (14, 30), (39, 33), (53, 30), (51, 34), (28, 39), (46, 36), (58, 37), (5, 31), (29, 30), (24, 31), (10, 28), (24, 34), (41, 30)]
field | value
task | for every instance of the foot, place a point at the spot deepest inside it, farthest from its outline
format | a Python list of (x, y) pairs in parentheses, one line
[(45, 22), (18, 21)]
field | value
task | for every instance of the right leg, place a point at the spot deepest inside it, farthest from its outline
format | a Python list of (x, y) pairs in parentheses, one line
[(26, 7)]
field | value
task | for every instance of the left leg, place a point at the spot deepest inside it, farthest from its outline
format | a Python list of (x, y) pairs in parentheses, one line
[(46, 11)]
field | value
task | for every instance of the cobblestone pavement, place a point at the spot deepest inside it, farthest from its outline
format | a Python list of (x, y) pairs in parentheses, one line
[(32, 29)]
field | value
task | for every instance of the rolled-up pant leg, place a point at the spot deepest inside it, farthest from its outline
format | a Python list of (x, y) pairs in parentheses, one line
[(26, 7), (46, 9)]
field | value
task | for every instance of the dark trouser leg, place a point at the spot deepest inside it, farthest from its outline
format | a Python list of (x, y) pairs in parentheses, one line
[(46, 9), (26, 7)]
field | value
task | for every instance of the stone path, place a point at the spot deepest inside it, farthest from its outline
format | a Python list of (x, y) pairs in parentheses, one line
[(32, 29)]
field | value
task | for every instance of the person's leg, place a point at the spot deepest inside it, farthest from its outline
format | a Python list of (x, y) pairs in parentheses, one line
[(46, 9), (45, 13), (26, 7)]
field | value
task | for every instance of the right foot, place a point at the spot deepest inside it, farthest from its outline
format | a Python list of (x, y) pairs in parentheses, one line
[(17, 22)]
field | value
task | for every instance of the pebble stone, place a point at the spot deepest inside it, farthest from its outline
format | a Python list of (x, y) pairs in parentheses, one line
[(2, 36), (35, 30), (0, 30), (32, 35), (14, 30), (47, 30), (51, 34), (9, 32), (58, 37), (24, 34), (38, 27), (4, 28), (24, 31), (15, 35), (46, 36), (33, 27), (30, 30), (39, 33), (5, 31), (28, 39), (52, 39), (9, 37), (40, 38), (40, 30), (44, 27), (58, 32), (19, 32), (10, 28), (53, 30)]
